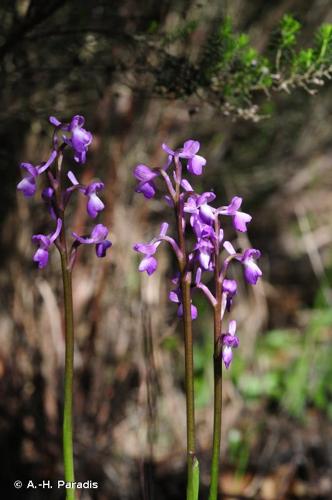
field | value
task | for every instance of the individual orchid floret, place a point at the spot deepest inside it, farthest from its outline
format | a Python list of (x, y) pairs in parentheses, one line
[(95, 205), (98, 237), (80, 138), (229, 340), (205, 246), (176, 297), (251, 270), (198, 206), (145, 176), (229, 288), (45, 242), (240, 219), (149, 263), (190, 148), (28, 184)]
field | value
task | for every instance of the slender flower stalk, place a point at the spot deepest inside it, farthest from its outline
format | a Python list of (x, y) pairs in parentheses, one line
[(56, 196), (217, 374), (185, 283), (68, 454), (197, 220)]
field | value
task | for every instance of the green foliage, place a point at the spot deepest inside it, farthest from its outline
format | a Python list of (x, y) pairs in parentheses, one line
[(230, 73), (289, 29), (238, 450), (180, 33), (291, 368)]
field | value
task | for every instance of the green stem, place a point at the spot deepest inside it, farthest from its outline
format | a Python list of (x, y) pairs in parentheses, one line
[(69, 373), (185, 282), (189, 380), (217, 406)]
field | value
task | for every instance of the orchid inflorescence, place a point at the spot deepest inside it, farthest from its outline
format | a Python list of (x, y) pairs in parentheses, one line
[(210, 252), (60, 188)]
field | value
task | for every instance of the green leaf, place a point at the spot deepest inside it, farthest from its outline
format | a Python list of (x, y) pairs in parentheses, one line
[(290, 28)]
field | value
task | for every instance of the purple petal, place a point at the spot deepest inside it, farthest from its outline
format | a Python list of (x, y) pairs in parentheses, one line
[(85, 240), (99, 233), (72, 177), (207, 213), (231, 340), (44, 166), (227, 356), (80, 139), (144, 173), (102, 247), (232, 327), (167, 149), (27, 186), (174, 296), (193, 311), (186, 186), (163, 229), (146, 248), (94, 205), (229, 286), (148, 264), (234, 205), (56, 233), (206, 197), (198, 276), (229, 247), (47, 193), (147, 189), (196, 164), (33, 171), (204, 259), (240, 221), (252, 272), (41, 257), (77, 121), (42, 240), (190, 148), (54, 121)]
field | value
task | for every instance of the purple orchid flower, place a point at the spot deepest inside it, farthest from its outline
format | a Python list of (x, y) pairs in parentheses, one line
[(206, 243), (80, 138), (95, 205), (229, 288), (98, 237), (190, 148), (28, 184), (45, 241), (176, 297), (198, 206), (240, 219), (229, 341), (149, 263), (145, 176), (251, 270)]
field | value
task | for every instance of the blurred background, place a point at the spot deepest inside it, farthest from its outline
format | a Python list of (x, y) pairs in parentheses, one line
[(91, 58)]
